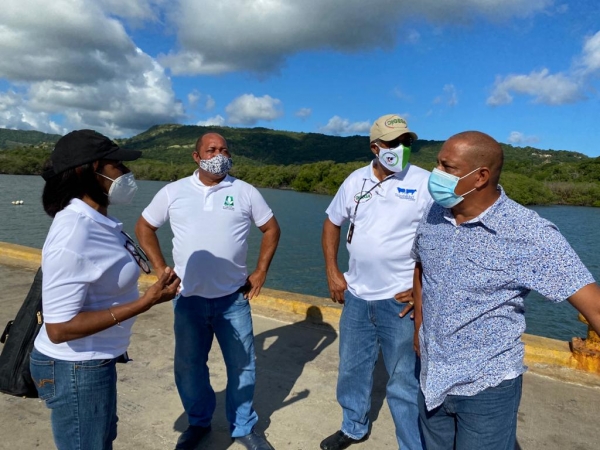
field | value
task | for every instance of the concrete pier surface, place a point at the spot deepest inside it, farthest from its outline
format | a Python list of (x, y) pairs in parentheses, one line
[(295, 396)]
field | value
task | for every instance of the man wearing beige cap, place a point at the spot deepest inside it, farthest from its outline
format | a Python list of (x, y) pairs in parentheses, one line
[(383, 202)]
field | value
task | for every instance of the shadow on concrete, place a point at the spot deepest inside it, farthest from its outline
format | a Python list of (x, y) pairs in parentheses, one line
[(281, 355)]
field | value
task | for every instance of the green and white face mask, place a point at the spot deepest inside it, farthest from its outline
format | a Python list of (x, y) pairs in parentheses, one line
[(394, 159)]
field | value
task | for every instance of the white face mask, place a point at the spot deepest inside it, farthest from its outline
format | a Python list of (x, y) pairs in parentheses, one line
[(394, 159), (122, 190)]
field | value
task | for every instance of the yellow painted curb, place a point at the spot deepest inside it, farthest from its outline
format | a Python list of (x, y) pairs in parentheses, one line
[(539, 351), (283, 301), (545, 351), (20, 256)]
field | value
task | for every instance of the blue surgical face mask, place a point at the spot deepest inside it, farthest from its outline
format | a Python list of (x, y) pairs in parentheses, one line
[(441, 187)]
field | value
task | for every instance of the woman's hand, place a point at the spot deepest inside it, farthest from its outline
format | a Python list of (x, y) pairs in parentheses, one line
[(163, 290)]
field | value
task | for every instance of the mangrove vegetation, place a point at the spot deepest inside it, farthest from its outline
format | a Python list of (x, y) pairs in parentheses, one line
[(311, 162)]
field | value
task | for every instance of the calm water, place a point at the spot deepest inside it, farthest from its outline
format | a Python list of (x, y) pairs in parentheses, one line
[(298, 265)]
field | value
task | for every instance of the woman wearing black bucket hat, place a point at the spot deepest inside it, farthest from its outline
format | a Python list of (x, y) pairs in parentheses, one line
[(89, 295)]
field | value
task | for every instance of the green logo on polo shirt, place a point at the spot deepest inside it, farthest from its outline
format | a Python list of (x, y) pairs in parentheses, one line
[(228, 203), (363, 196)]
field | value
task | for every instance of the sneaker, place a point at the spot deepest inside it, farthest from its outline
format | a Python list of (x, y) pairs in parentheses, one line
[(191, 437), (254, 441)]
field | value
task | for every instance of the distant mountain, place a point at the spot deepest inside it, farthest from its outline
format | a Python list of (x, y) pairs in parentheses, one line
[(312, 162), (262, 146), (22, 138)]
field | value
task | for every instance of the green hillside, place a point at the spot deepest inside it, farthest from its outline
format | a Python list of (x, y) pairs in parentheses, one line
[(312, 162), (19, 138), (174, 143)]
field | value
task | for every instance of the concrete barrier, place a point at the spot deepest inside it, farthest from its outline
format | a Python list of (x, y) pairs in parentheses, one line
[(540, 352)]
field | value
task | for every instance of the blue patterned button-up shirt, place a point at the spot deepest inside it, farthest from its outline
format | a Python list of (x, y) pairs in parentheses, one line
[(475, 277)]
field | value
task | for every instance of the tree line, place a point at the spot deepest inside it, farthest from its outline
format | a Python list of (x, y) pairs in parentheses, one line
[(564, 183)]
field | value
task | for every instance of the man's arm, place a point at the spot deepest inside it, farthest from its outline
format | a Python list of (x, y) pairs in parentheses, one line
[(587, 301), (268, 245), (146, 235), (330, 240), (417, 299)]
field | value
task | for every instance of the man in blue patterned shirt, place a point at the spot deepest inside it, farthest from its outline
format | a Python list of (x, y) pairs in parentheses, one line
[(478, 255)]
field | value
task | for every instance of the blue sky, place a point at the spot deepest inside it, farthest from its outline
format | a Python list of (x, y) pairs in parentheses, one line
[(524, 71)]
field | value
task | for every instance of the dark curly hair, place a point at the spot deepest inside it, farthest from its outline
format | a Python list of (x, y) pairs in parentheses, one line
[(72, 183)]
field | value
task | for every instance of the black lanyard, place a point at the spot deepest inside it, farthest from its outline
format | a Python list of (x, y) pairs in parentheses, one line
[(351, 229)]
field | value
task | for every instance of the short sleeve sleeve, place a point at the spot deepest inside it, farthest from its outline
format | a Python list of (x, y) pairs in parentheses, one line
[(260, 211), (338, 211), (157, 212), (66, 279), (554, 269)]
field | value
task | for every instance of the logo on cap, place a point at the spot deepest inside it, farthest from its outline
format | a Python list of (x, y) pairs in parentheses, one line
[(395, 121)]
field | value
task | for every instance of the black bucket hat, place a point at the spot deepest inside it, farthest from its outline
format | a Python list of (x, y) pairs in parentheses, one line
[(82, 147)]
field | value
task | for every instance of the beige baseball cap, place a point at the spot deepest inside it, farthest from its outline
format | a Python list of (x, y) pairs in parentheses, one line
[(389, 127)]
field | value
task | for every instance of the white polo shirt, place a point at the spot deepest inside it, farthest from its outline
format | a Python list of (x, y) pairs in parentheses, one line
[(386, 220), (210, 229), (86, 268)]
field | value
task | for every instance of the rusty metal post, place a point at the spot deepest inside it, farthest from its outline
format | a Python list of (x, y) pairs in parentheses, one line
[(587, 351)]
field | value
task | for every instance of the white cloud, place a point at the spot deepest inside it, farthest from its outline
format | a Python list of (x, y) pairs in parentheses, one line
[(449, 97), (15, 114), (75, 61), (558, 89), (133, 10), (260, 37), (248, 109), (303, 113), (516, 137), (552, 89), (397, 92), (210, 103), (338, 126), (218, 120), (193, 98), (413, 37), (590, 59)]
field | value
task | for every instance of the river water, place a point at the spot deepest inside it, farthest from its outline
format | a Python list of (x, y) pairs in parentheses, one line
[(298, 265)]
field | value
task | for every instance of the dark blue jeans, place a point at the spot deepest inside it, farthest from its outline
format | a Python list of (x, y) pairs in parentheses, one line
[(487, 420), (197, 321), (365, 328), (83, 398)]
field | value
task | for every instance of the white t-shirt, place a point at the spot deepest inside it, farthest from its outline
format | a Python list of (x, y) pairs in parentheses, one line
[(210, 228), (86, 268), (380, 265)]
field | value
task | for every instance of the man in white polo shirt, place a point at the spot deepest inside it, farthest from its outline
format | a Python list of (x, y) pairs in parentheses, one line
[(383, 202), (210, 214)]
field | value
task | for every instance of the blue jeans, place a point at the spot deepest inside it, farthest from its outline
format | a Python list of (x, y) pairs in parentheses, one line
[(366, 327), (487, 420), (197, 320), (83, 398)]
